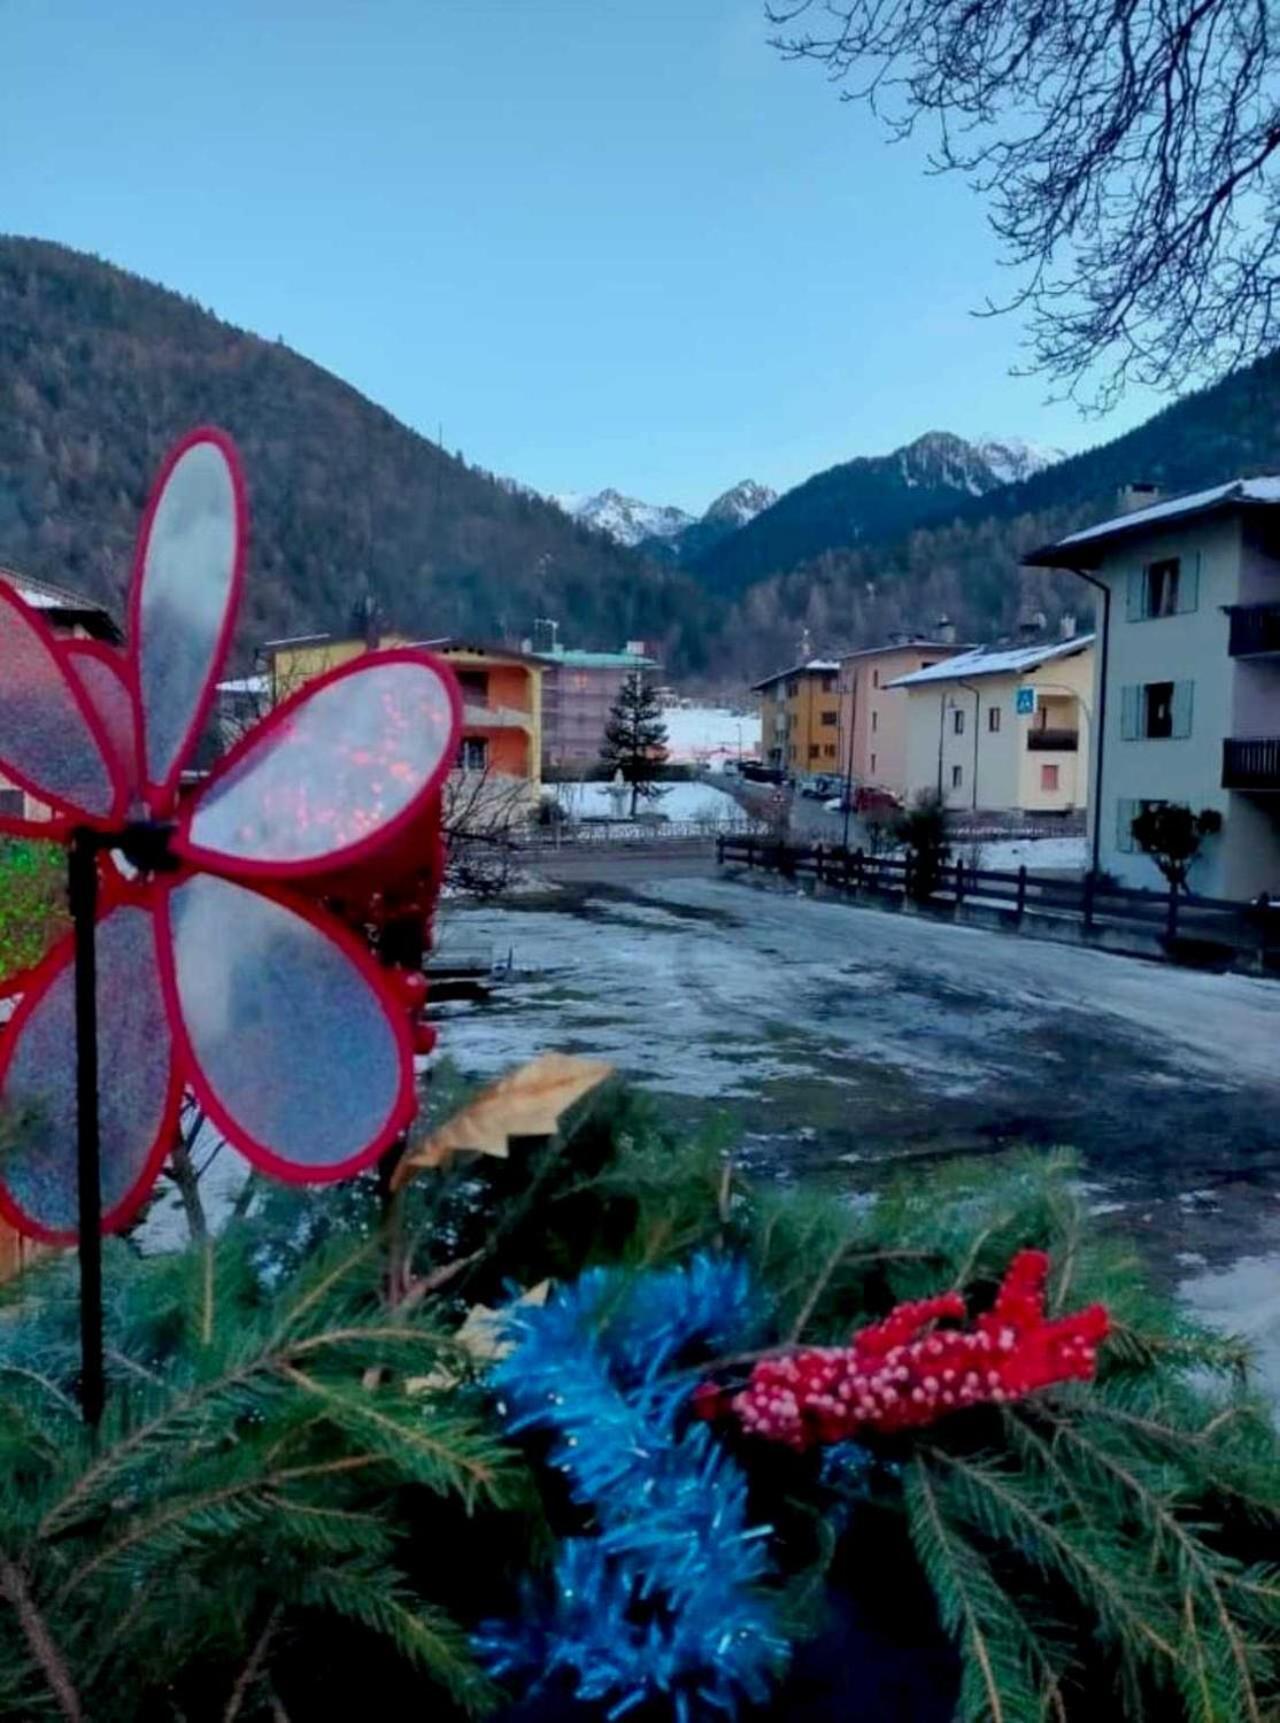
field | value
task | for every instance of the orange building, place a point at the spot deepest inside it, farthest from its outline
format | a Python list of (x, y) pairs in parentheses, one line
[(873, 714)]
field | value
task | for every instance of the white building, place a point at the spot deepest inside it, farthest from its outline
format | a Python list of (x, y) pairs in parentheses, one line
[(1188, 677), (1003, 730)]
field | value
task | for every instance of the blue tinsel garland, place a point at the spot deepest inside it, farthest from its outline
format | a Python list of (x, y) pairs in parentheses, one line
[(665, 1602)]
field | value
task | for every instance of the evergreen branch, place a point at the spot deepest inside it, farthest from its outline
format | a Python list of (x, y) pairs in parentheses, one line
[(249, 1675), (40, 1641)]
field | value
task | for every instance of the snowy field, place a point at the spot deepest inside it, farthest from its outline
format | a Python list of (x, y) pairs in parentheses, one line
[(710, 735), (677, 802), (1060, 855)]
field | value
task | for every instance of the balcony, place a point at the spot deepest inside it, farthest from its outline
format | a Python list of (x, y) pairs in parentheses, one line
[(1251, 763), (1255, 630), (1053, 741)]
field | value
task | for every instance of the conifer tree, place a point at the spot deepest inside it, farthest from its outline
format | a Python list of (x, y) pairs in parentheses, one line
[(635, 739)]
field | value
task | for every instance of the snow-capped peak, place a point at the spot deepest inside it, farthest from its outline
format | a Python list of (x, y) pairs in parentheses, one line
[(1013, 459), (740, 504), (625, 519)]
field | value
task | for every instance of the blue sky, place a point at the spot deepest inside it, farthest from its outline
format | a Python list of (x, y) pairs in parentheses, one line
[(597, 241)]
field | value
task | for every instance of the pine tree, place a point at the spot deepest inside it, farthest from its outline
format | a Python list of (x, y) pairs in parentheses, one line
[(635, 739)]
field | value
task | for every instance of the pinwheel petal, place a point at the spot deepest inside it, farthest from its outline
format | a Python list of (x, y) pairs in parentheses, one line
[(51, 741), (102, 674), (294, 1048), (186, 586), (333, 773), (138, 1090)]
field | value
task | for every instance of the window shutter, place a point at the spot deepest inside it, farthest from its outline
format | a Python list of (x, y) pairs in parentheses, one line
[(1182, 701), (1126, 812), (1130, 699), (1189, 584), (1136, 579)]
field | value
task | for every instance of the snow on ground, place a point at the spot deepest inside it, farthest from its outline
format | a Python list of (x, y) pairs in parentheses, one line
[(677, 802), (710, 735), (1035, 854)]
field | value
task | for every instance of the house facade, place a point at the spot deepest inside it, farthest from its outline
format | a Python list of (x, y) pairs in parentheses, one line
[(872, 745), (579, 690), (71, 616), (800, 718), (1188, 678), (501, 699), (1003, 731)]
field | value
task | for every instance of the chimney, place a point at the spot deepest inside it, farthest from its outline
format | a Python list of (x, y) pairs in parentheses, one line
[(1067, 626), (946, 631), (1030, 627), (544, 634), (1138, 495), (635, 649)]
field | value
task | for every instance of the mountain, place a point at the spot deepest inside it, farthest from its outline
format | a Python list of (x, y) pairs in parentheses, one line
[(100, 370), (728, 514), (1013, 459), (626, 520), (861, 501), (962, 561)]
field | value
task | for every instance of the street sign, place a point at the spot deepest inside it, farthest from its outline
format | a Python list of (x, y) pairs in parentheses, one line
[(1025, 705)]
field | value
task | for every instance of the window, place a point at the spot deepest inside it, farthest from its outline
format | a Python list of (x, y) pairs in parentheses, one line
[(474, 685), (875, 722), (957, 777), (873, 765), (1170, 586), (828, 683), (993, 719), (1048, 777), (1156, 711), (830, 750), (12, 804), (957, 721), (875, 683), (473, 755), (830, 717), (814, 751), (793, 688)]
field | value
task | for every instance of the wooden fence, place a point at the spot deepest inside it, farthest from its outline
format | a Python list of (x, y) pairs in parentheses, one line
[(1190, 928)]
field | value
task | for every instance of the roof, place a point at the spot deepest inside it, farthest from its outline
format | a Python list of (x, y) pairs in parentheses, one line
[(299, 640), (73, 606), (983, 661), (811, 667), (246, 685), (485, 648), (916, 643), (575, 660), (1086, 548)]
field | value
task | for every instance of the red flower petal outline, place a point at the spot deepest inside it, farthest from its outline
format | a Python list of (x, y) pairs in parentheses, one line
[(349, 958), (103, 672), (132, 1019), (270, 736), (26, 620), (161, 791)]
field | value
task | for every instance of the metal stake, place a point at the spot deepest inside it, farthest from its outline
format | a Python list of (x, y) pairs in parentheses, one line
[(82, 891)]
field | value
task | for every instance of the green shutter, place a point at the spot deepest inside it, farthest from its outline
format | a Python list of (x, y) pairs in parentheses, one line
[(1130, 701), (1134, 609), (1183, 693), (1126, 813), (1189, 584)]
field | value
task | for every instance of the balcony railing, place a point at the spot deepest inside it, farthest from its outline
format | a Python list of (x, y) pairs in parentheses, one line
[(1251, 763), (1255, 630), (1053, 741)]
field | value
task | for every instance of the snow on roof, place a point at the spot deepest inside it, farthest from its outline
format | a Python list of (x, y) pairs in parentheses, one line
[(1243, 493), (245, 685), (44, 595), (811, 666), (913, 643), (982, 661), (575, 660)]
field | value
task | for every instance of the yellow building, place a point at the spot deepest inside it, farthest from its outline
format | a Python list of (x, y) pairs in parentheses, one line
[(1003, 730), (800, 719), (501, 698)]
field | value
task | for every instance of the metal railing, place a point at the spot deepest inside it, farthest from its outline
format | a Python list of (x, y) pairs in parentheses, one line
[(1053, 741), (1255, 629), (1251, 763)]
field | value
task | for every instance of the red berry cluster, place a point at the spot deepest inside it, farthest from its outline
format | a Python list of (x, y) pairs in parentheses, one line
[(903, 1373)]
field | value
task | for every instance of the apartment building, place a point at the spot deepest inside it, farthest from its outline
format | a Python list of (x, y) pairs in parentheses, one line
[(800, 718), (1187, 683), (1003, 730), (872, 747)]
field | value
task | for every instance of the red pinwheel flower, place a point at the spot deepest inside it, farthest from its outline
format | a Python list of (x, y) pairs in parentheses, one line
[(903, 1373), (211, 974)]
